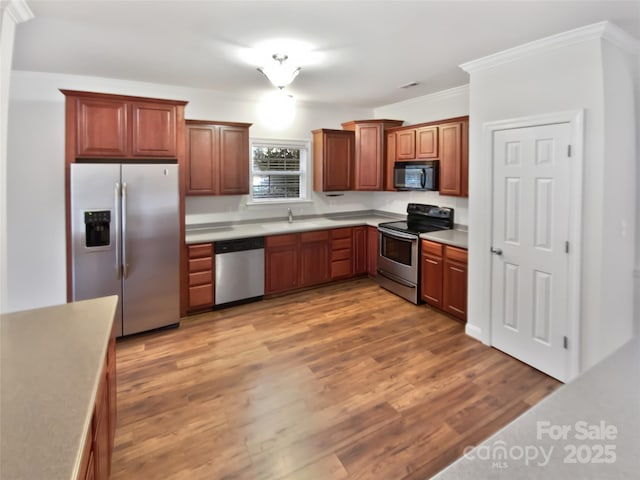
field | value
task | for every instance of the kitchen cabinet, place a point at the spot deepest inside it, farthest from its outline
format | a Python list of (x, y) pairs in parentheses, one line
[(201, 277), (97, 452), (359, 251), (153, 129), (444, 140), (370, 152), (333, 152), (314, 258), (390, 161), (417, 144), (454, 159), (372, 251), (102, 127), (217, 158), (281, 263), (341, 253), (431, 273), (443, 277), (454, 288), (116, 126)]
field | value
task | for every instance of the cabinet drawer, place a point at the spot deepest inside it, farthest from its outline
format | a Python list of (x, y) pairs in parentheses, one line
[(200, 264), (200, 278), (288, 240), (341, 268), (201, 250), (456, 254), (343, 254), (317, 236), (200, 296), (432, 248), (341, 233), (341, 243)]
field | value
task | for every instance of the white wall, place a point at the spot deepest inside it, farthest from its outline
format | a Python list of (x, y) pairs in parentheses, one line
[(621, 130), (637, 260), (449, 103), (561, 79), (36, 266), (11, 14)]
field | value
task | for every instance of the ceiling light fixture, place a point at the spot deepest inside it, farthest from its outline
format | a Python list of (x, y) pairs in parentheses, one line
[(280, 73)]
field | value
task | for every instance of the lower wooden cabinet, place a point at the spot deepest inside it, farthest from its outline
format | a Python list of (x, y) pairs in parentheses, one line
[(359, 251), (98, 448), (341, 253), (305, 259), (201, 276), (455, 282), (431, 273), (443, 277), (281, 263), (314, 258), (372, 251)]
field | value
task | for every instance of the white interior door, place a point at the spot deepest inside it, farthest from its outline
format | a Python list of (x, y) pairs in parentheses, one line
[(531, 208)]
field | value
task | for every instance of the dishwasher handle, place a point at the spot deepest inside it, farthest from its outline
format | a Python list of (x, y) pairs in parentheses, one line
[(238, 245)]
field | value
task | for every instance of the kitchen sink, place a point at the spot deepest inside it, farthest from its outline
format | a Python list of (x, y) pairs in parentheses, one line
[(289, 226)]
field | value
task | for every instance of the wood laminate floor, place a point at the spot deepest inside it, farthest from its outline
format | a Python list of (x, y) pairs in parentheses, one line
[(345, 381)]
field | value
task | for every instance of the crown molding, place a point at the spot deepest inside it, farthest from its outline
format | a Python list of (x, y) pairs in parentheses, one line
[(441, 95), (18, 10), (603, 30)]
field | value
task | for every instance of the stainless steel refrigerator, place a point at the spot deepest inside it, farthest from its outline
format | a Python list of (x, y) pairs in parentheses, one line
[(125, 224)]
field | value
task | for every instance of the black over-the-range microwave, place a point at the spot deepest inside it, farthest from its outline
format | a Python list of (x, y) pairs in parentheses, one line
[(416, 175)]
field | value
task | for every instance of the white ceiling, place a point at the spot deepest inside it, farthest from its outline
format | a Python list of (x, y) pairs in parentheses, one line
[(363, 50)]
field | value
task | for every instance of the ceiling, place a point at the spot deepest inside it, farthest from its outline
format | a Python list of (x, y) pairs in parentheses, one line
[(362, 51)]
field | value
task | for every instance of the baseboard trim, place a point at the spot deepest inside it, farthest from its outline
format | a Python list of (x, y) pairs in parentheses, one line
[(474, 332)]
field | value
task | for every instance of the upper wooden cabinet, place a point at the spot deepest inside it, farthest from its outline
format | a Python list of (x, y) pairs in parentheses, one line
[(427, 143), (444, 140), (405, 145), (102, 128), (217, 158), (454, 155), (333, 152), (416, 144), (121, 127), (370, 152), (154, 130)]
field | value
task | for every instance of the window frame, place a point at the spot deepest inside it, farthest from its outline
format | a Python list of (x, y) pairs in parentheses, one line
[(305, 156)]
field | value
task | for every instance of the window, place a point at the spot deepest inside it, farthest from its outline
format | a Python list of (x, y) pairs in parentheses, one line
[(278, 171)]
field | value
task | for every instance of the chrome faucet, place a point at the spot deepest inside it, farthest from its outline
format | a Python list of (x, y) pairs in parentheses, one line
[(290, 215)]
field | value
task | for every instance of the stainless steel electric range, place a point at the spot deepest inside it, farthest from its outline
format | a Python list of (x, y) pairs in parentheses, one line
[(399, 248)]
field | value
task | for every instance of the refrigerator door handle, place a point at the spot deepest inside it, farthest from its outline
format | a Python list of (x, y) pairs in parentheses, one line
[(116, 208), (125, 265)]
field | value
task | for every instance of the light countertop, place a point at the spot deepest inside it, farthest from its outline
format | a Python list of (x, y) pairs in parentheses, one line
[(455, 238), (51, 361), (588, 428), (246, 230)]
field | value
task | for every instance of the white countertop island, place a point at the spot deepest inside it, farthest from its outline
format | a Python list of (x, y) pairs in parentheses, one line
[(50, 364)]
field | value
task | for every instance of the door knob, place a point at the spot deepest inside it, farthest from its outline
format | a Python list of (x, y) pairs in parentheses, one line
[(496, 251)]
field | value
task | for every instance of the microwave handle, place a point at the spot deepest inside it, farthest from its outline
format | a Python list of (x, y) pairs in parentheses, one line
[(423, 177)]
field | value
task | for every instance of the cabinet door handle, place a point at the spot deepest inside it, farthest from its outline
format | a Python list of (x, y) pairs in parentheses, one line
[(496, 251)]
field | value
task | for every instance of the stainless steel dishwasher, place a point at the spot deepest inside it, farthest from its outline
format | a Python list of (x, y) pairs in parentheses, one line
[(239, 270)]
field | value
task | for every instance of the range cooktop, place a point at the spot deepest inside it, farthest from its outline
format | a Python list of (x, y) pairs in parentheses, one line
[(423, 218)]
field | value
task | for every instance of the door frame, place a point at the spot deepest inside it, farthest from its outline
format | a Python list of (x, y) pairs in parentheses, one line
[(575, 119)]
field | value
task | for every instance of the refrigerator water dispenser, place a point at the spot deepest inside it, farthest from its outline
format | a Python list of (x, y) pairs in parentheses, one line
[(96, 225)]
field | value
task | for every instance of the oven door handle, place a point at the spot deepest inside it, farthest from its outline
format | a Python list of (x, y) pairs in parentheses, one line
[(396, 278), (393, 233)]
